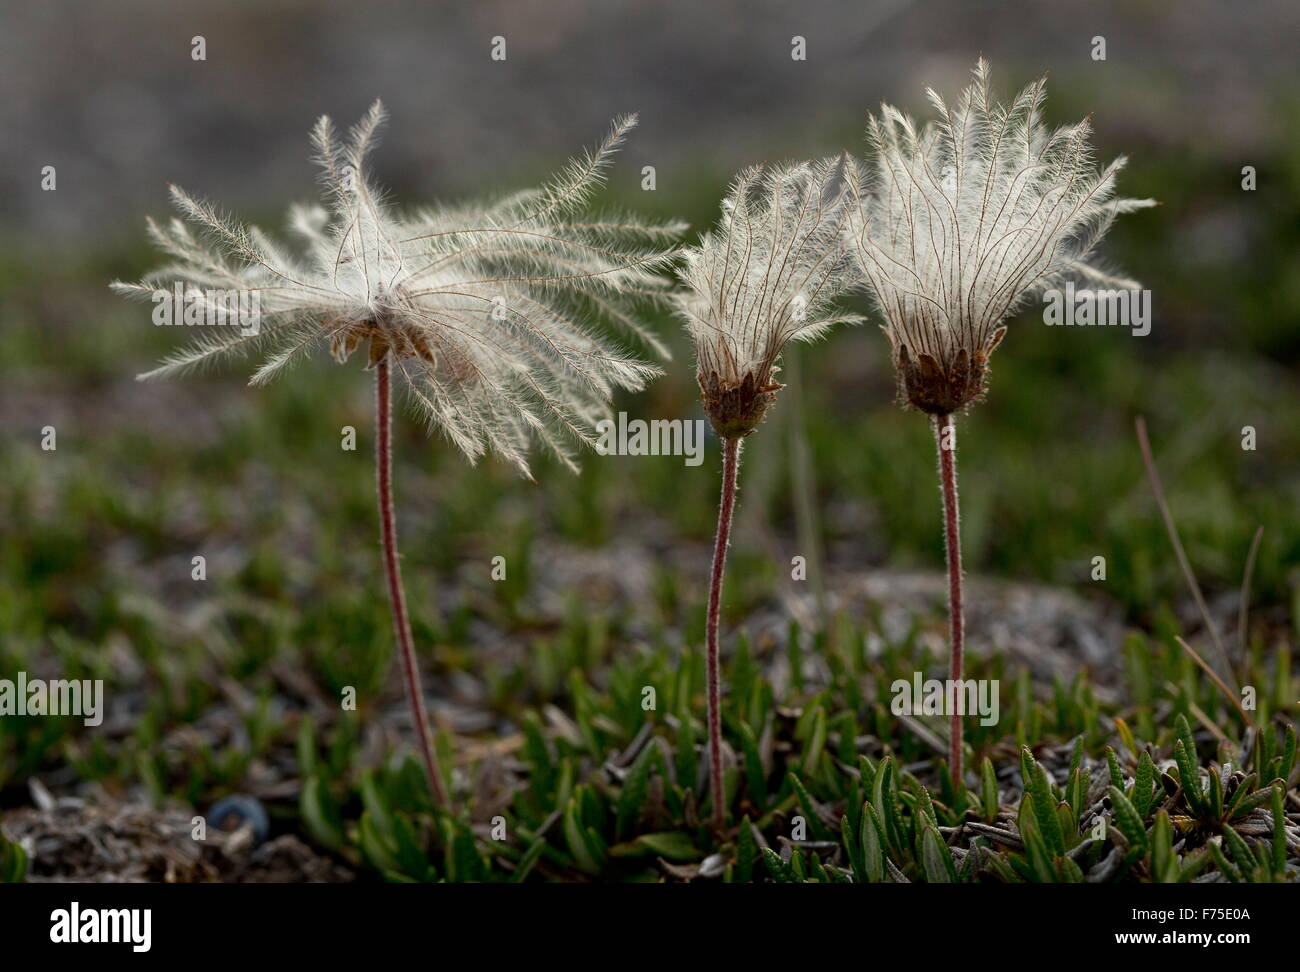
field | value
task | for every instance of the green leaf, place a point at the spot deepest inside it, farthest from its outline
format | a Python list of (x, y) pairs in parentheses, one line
[(755, 775), (1040, 859), (1244, 789), (884, 797), (1129, 821), (1279, 834), (528, 861), (1126, 735), (1164, 863), (873, 854), (1116, 774), (631, 799), (995, 862), (1288, 753), (780, 871), (375, 845), (1240, 851), (1214, 796), (579, 840), (816, 743), (746, 852), (815, 826), (13, 862), (1220, 861), (320, 814), (1044, 803), (460, 853), (936, 858), (853, 848), (672, 844), (970, 863), (1068, 871), (1189, 778), (1250, 801), (375, 804), (306, 747), (1143, 795), (1191, 865), (988, 791), (1183, 733)]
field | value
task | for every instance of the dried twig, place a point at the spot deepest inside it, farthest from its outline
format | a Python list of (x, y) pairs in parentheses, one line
[(1163, 505)]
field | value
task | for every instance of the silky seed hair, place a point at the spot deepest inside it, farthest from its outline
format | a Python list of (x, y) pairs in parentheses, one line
[(767, 274), (960, 222), (488, 309)]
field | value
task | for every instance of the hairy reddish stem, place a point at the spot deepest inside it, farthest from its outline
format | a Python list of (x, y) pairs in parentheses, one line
[(393, 571), (945, 440), (726, 506)]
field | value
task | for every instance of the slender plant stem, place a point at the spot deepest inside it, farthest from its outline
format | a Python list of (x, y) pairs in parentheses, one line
[(945, 440), (726, 507), (393, 571)]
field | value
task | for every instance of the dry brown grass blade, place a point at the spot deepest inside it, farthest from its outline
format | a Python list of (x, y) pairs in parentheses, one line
[(1214, 676), (1154, 476)]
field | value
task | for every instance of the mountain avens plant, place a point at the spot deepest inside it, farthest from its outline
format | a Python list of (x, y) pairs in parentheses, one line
[(481, 312), (768, 274), (958, 225)]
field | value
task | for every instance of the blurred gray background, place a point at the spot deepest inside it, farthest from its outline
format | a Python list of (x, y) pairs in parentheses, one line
[(109, 94)]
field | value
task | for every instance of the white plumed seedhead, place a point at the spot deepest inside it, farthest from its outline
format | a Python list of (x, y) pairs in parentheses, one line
[(767, 274), (961, 221), (486, 309)]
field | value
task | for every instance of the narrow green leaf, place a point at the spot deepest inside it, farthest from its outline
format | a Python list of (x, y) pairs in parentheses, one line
[(988, 791), (1040, 859), (631, 798), (576, 838), (1128, 821), (873, 854), (755, 775), (936, 858), (1164, 864), (1279, 834), (1190, 779), (780, 871), (1240, 851), (528, 861), (1116, 774), (1143, 795), (1044, 806), (746, 852), (672, 844), (1221, 862)]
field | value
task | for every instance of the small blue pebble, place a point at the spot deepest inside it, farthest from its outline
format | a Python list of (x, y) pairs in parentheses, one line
[(230, 813)]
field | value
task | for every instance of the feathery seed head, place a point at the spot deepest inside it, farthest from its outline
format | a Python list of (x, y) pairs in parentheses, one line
[(484, 308), (768, 274), (958, 223)]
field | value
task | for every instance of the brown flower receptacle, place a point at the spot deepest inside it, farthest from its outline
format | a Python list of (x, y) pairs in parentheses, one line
[(403, 343), (735, 410), (937, 388)]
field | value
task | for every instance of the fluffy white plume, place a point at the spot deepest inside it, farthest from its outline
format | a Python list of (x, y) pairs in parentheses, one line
[(768, 274), (959, 222), (486, 308)]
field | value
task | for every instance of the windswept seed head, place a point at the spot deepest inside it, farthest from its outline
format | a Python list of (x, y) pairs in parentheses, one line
[(960, 222), (484, 308), (768, 274)]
